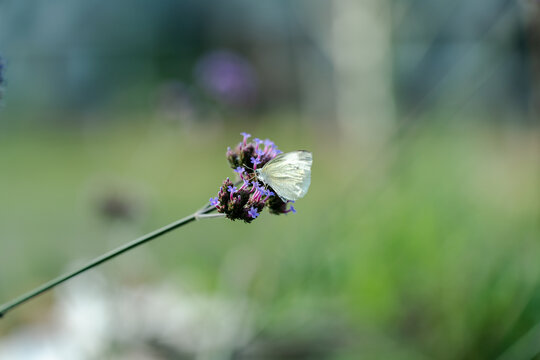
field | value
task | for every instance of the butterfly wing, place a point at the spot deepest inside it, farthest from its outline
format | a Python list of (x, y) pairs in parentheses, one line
[(289, 174)]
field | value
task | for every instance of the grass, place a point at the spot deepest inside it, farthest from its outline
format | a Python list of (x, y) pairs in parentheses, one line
[(426, 249)]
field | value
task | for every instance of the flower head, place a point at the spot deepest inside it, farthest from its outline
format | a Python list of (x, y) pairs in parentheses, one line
[(247, 202)]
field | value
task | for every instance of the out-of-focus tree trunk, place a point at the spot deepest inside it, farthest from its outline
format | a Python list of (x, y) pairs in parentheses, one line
[(531, 12), (535, 58), (361, 52)]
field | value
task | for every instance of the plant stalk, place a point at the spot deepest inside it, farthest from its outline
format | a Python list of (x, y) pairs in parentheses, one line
[(103, 258)]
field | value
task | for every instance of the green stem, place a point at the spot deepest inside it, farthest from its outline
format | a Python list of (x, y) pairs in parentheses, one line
[(103, 258)]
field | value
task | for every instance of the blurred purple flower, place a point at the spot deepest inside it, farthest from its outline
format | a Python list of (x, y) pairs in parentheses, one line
[(227, 77)]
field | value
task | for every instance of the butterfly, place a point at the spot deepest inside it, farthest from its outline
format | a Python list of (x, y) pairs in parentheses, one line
[(289, 174)]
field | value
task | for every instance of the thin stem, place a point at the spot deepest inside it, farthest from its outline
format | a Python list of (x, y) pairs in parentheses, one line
[(208, 216), (103, 258)]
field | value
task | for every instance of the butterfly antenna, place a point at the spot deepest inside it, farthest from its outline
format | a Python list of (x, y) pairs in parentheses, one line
[(254, 175)]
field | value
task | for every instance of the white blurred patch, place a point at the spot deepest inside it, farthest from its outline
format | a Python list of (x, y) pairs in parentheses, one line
[(94, 319)]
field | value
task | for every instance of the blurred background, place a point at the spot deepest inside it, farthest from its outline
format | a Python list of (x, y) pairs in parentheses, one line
[(419, 237)]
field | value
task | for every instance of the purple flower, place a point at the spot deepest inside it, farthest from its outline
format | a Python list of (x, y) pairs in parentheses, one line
[(292, 209), (255, 161), (246, 136), (239, 170), (268, 143), (244, 185), (232, 189), (228, 78), (259, 152), (214, 201), (253, 213), (267, 193), (256, 186)]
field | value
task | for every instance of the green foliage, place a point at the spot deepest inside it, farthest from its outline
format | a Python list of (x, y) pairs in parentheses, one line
[(426, 250)]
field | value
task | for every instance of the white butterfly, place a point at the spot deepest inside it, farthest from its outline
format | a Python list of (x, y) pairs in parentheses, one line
[(289, 174)]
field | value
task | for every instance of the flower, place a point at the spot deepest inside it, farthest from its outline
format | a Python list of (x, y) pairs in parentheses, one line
[(245, 184), (253, 213), (255, 162), (228, 78), (249, 200), (231, 189), (256, 186)]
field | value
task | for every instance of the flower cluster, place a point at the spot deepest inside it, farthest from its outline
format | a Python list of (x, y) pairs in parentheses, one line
[(246, 199)]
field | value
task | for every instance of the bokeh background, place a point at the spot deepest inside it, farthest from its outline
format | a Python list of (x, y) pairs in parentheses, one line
[(418, 239)]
